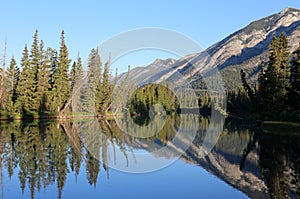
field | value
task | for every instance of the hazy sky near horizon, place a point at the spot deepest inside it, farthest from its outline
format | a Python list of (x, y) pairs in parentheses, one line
[(91, 22)]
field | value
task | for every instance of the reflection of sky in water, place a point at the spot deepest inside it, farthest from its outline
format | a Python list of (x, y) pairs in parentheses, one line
[(136, 160), (190, 176), (176, 179), (179, 180)]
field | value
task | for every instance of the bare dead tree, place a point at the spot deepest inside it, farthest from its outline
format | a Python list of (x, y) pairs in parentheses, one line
[(2, 86)]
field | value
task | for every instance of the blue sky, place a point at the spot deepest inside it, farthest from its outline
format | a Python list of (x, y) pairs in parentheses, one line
[(88, 23)]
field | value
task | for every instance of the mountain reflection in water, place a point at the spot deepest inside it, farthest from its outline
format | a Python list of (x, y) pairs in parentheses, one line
[(43, 153)]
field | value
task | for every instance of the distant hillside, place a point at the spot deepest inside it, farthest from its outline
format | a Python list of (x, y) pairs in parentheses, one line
[(246, 48)]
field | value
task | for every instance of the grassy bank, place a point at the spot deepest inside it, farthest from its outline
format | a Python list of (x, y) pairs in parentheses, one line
[(27, 115), (31, 115), (283, 128)]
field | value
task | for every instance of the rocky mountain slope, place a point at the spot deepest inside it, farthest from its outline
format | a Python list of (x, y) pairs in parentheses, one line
[(246, 48)]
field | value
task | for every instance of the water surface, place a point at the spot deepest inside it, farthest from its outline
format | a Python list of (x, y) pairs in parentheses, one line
[(64, 159)]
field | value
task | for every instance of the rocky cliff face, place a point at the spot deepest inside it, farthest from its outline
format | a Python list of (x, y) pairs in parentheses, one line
[(246, 48), (253, 40)]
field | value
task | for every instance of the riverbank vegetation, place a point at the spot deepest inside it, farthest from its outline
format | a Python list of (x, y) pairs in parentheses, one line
[(46, 81), (48, 84), (276, 95)]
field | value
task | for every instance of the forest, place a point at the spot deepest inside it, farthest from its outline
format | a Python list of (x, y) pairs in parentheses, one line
[(275, 95), (48, 84), (45, 82)]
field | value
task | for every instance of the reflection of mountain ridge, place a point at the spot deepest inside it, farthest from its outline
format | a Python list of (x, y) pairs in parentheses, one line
[(258, 164), (221, 161), (220, 165), (225, 166)]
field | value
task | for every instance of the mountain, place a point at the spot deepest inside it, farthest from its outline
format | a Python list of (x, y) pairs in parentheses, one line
[(246, 49)]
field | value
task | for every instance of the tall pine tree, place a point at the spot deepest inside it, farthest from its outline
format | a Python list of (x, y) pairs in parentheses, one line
[(35, 58), (274, 80), (60, 80), (89, 95), (76, 74), (295, 80), (43, 84), (25, 88)]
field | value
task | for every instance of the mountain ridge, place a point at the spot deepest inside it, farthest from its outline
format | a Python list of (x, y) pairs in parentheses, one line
[(245, 48)]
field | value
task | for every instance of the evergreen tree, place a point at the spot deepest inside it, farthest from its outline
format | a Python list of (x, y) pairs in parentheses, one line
[(104, 91), (12, 78), (34, 59), (52, 79), (274, 80), (63, 64), (246, 86), (43, 85), (295, 79), (60, 84), (76, 84), (93, 80), (284, 67), (25, 88), (53, 62), (76, 72), (73, 74)]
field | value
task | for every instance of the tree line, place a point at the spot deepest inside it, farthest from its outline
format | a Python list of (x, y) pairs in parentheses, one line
[(45, 80), (144, 97), (276, 95), (45, 83)]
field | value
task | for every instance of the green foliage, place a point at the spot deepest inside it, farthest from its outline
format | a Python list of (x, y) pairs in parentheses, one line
[(93, 80), (45, 83), (26, 87), (76, 74), (247, 88), (12, 80), (239, 105), (204, 101), (276, 96), (295, 79), (60, 80), (145, 97), (274, 82), (34, 59), (104, 92)]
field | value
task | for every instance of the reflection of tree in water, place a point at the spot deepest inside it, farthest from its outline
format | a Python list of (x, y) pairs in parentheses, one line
[(45, 153), (41, 155), (75, 151), (280, 165), (279, 162), (40, 151), (3, 140)]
